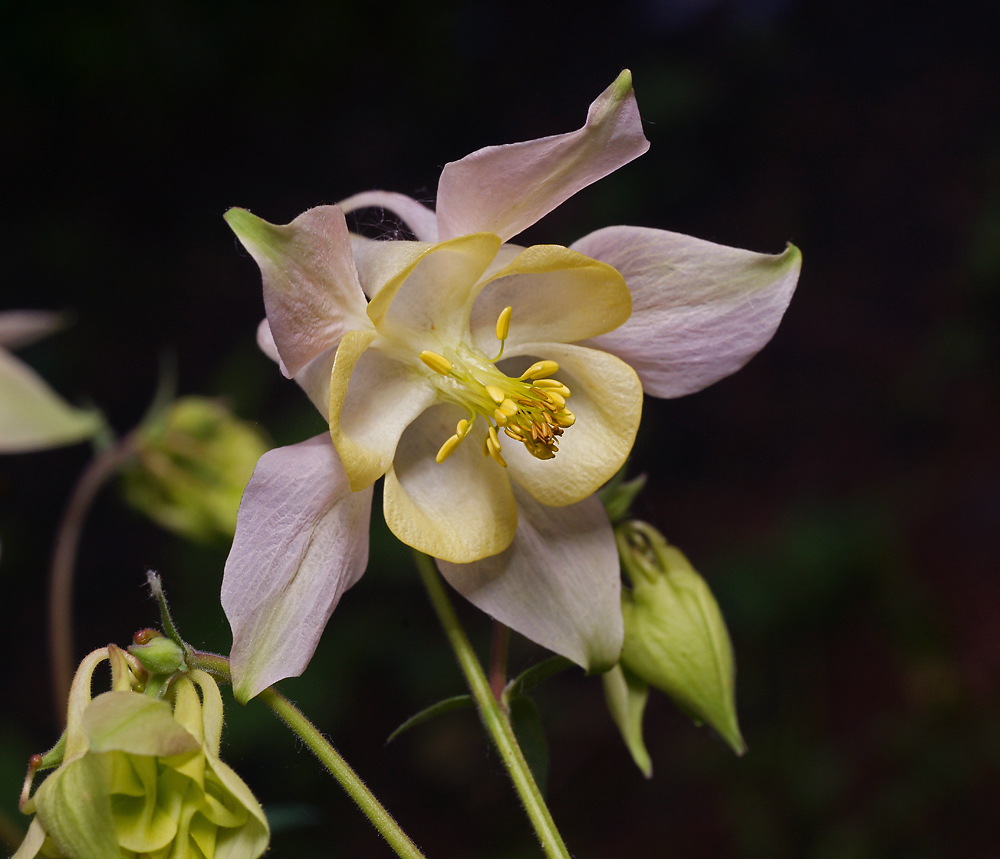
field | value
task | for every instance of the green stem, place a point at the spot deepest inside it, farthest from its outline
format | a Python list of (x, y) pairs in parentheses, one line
[(493, 716), (328, 756), (61, 571)]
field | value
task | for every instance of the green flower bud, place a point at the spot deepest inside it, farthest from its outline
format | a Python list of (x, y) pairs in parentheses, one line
[(675, 637), (192, 464), (141, 777), (157, 653)]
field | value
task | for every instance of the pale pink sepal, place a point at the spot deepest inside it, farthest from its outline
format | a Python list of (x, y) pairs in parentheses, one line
[(22, 327), (311, 290), (421, 220), (301, 542), (558, 583), (700, 310), (505, 189), (313, 378)]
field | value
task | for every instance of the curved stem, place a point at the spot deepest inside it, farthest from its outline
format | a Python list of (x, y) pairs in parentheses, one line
[(63, 565), (493, 716), (328, 756)]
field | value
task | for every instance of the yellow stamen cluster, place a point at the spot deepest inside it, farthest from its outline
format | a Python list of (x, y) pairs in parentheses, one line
[(530, 409)]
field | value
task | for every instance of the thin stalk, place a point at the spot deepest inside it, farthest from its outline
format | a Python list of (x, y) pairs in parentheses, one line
[(498, 659), (327, 755), (63, 565), (492, 714)]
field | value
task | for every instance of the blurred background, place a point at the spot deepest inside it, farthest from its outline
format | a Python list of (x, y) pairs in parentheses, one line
[(841, 494)]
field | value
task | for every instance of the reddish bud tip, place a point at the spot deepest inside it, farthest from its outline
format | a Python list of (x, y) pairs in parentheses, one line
[(144, 636), (34, 762)]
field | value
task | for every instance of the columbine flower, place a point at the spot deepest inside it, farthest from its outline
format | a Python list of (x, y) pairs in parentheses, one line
[(141, 776), (491, 385), (32, 415)]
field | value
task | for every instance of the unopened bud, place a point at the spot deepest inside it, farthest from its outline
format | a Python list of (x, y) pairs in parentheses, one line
[(193, 462), (675, 637)]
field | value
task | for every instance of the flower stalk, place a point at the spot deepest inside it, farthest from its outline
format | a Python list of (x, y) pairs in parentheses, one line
[(492, 714), (63, 566), (327, 755)]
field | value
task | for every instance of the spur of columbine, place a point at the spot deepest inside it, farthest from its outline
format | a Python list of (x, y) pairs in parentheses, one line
[(495, 387)]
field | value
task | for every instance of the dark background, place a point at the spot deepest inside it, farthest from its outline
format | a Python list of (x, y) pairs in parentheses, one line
[(841, 494)]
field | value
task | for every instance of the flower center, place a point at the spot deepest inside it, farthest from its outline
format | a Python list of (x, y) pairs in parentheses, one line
[(530, 409)]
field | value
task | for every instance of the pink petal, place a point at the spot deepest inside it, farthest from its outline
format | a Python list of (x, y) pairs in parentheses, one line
[(421, 220), (700, 310), (505, 189), (558, 583), (301, 541), (311, 290)]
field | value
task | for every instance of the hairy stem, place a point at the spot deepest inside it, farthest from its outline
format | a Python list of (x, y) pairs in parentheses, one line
[(327, 755), (492, 714)]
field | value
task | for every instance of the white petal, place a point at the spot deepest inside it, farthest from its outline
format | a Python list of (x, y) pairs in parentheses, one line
[(21, 327), (421, 220), (433, 296), (558, 583), (607, 401), (372, 399), (379, 261), (556, 295), (505, 189), (33, 416), (700, 310), (461, 509), (311, 290), (301, 541)]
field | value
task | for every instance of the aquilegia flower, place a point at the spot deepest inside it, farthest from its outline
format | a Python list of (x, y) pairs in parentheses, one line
[(140, 776), (495, 387)]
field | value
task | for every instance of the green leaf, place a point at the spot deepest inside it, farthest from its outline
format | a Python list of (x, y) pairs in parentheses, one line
[(530, 733), (459, 702)]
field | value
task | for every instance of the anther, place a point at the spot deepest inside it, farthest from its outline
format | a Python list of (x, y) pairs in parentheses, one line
[(556, 399), (500, 417), (503, 324), (495, 394), (508, 407), (447, 449), (438, 363), (565, 418), (462, 428), (540, 369)]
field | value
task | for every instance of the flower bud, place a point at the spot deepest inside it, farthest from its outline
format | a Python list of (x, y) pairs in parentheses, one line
[(141, 776), (157, 653), (193, 462), (675, 637)]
